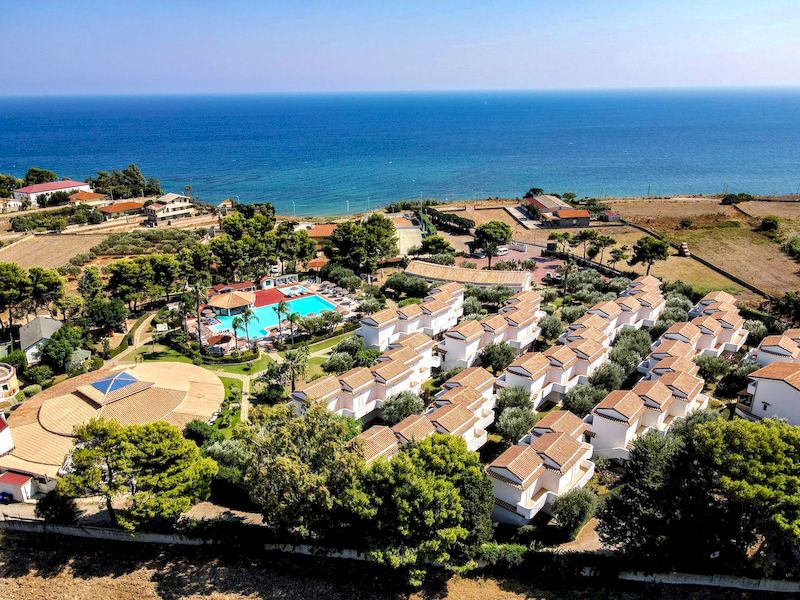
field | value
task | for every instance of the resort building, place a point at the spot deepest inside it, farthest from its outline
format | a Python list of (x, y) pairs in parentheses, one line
[(476, 378), (33, 335), (710, 330), (682, 331), (41, 429), (413, 428), (169, 207), (665, 349), (422, 347), (528, 371), (470, 398), (379, 441), (324, 391), (545, 203), (355, 395), (713, 299), (457, 419), (527, 478), (673, 364), (733, 334), (231, 303), (559, 421), (516, 280), (438, 312), (773, 391), (566, 217), (9, 385), (462, 344), (321, 232), (33, 193), (83, 198), (776, 348), (122, 208)]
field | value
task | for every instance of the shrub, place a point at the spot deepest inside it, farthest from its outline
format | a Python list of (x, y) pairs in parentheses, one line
[(338, 363), (609, 377), (38, 374), (503, 555), (551, 327), (582, 399), (31, 390), (468, 264), (443, 259), (515, 422), (572, 313), (573, 509), (512, 396), (756, 331), (770, 223), (202, 433), (398, 407), (57, 509), (712, 367), (497, 356), (686, 223)]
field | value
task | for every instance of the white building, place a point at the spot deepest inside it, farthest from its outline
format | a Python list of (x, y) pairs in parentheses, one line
[(528, 371), (169, 207), (773, 391), (715, 299), (33, 193), (379, 329), (776, 348), (461, 345), (33, 335)]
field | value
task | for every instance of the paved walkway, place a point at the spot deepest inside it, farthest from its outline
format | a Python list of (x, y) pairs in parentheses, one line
[(245, 379), (141, 336)]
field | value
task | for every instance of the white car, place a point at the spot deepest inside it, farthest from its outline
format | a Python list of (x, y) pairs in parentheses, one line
[(502, 250)]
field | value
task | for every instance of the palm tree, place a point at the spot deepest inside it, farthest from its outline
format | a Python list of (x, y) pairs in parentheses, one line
[(247, 316), (565, 271), (237, 324), (282, 308), (294, 320), (295, 363)]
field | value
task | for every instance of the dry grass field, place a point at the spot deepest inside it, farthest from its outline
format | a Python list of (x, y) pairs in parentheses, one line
[(37, 568), (49, 251), (724, 235)]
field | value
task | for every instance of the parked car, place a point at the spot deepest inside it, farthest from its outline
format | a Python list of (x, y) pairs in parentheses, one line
[(502, 250)]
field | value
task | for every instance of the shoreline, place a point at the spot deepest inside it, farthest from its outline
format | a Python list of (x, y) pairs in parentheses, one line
[(498, 202)]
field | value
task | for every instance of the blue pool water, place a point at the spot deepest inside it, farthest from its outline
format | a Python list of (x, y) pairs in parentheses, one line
[(266, 317)]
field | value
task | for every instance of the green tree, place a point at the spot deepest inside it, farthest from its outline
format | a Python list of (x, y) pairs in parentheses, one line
[(490, 236), (496, 356), (101, 463), (582, 398), (512, 396), (47, 286), (551, 327), (711, 368), (619, 254), (447, 456), (36, 175), (358, 246), (562, 239), (237, 324), (515, 422), (9, 183), (584, 237), (756, 331), (412, 517), (300, 469), (294, 365), (56, 351), (600, 243), (338, 362), (90, 284), (608, 377), (572, 509), (106, 315), (648, 250), (399, 406), (15, 289), (435, 244)]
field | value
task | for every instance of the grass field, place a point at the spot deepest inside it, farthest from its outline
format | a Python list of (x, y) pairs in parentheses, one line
[(724, 236), (49, 251), (158, 352)]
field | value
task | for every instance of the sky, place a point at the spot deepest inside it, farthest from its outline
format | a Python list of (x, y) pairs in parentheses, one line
[(237, 46)]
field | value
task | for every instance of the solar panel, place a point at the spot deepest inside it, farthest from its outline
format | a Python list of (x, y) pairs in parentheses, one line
[(114, 383)]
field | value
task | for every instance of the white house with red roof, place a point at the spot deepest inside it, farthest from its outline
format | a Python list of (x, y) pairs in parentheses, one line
[(773, 391), (776, 348), (32, 193)]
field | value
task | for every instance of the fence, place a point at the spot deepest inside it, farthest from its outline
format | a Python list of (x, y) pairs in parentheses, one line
[(709, 264)]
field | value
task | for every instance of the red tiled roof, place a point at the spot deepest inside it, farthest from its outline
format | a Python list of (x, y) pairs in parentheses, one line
[(322, 231), (81, 196), (121, 207), (51, 186), (10, 478), (572, 213), (317, 263), (220, 338)]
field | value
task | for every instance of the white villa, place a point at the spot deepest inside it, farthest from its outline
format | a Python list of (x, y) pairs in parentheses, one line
[(551, 460), (777, 348), (773, 391), (439, 311), (32, 193), (169, 207)]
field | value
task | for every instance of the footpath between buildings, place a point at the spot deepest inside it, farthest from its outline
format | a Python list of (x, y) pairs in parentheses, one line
[(14, 524)]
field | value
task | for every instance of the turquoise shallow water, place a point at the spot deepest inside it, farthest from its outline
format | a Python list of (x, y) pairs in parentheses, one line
[(325, 154), (266, 316)]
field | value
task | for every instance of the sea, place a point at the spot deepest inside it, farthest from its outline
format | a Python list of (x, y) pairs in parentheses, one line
[(332, 154)]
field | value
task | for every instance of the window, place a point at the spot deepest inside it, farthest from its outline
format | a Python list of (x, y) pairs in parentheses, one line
[(765, 405)]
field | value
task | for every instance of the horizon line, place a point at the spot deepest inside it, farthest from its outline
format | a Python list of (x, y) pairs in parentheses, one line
[(634, 89)]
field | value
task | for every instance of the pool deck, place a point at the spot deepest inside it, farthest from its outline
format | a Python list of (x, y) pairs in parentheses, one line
[(275, 295)]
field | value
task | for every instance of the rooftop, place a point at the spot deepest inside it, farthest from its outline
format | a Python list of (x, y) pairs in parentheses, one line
[(51, 186), (426, 270)]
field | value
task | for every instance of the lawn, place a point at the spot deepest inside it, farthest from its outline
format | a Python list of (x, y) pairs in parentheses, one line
[(330, 342), (230, 416), (160, 353), (315, 367)]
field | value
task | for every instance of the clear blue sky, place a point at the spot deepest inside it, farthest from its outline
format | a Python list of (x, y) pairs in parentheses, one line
[(169, 46)]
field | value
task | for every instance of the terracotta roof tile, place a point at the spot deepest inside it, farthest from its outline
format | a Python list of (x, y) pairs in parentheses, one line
[(562, 355), (625, 402), (521, 461), (534, 364), (689, 385), (468, 330), (356, 378), (476, 377), (780, 371), (320, 389), (560, 448), (655, 392), (378, 440), (382, 317), (455, 419), (562, 421), (414, 427)]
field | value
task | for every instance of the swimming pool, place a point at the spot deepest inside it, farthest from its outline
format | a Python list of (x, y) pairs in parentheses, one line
[(266, 316)]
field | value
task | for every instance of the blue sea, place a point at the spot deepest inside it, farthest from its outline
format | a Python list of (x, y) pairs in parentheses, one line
[(330, 154)]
